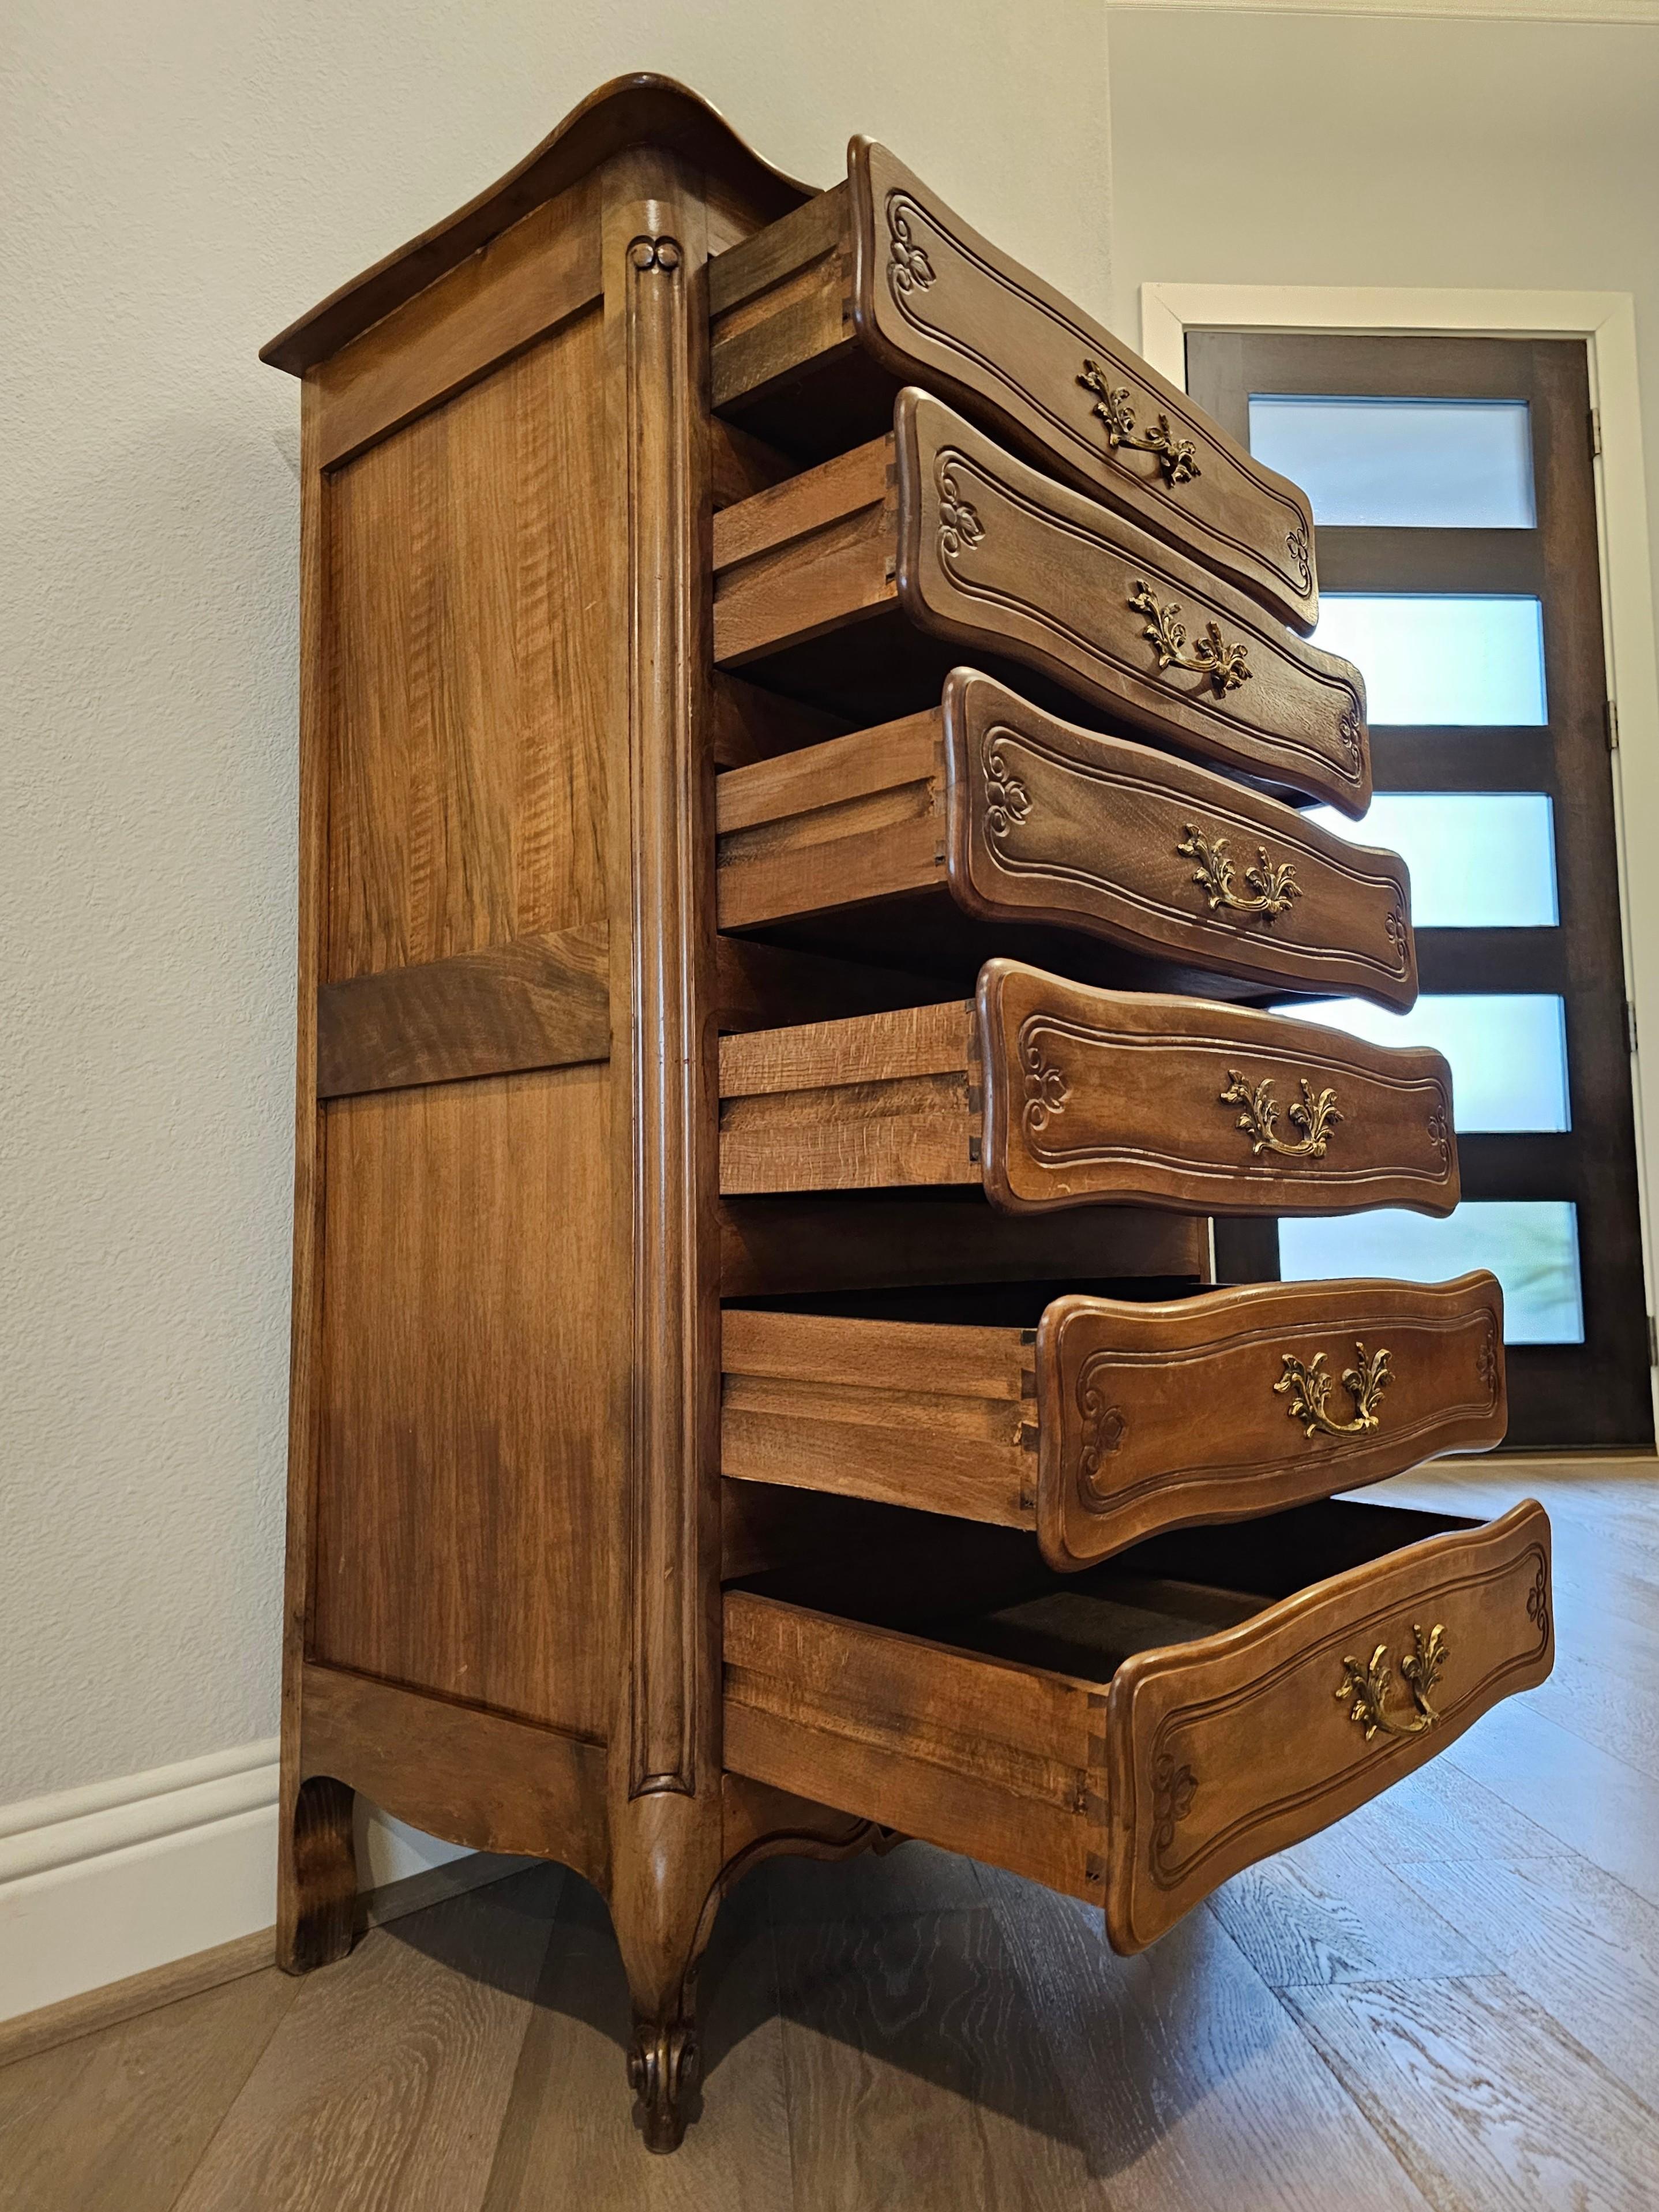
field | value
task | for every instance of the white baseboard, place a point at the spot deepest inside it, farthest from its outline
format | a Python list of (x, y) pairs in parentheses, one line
[(110, 1881)]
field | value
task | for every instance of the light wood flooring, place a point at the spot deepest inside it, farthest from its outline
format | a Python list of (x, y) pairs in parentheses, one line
[(1450, 2001)]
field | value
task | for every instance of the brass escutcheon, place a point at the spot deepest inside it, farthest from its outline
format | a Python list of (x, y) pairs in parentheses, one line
[(1226, 665), (1308, 1389), (1316, 1116), (1177, 458), (1364, 1690), (1271, 885)]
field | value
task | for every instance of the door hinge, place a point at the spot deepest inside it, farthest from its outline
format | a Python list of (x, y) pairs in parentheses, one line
[(1595, 434), (1653, 1342), (1629, 1024), (1610, 723)]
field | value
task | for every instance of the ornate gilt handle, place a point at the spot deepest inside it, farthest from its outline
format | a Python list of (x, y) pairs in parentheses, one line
[(1271, 883), (1226, 665), (1315, 1116), (1365, 1689), (1177, 458), (1308, 1389)]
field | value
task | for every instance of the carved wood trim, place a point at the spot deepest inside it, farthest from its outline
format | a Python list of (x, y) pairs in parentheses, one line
[(938, 304), (992, 553), (669, 1106)]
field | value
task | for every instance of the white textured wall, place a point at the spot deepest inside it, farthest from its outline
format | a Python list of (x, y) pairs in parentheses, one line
[(180, 178)]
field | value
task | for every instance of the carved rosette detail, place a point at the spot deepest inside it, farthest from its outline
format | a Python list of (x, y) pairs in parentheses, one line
[(1538, 1603), (1295, 545), (1485, 1360), (959, 525), (1398, 933), (662, 253), (1351, 732), (908, 269), (1440, 1134), (1103, 1432), (1007, 802), (1174, 1790), (1046, 1089)]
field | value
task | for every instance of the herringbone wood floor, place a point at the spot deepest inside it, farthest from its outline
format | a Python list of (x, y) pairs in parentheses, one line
[(1451, 2000)]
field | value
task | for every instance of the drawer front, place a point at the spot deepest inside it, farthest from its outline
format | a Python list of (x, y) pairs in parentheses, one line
[(1049, 823), (997, 556), (1213, 1408), (1223, 1750), (1099, 1094), (939, 305)]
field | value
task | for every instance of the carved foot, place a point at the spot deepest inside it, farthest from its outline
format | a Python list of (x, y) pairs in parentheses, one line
[(662, 2067)]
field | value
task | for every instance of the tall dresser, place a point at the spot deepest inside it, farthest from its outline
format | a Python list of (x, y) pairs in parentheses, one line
[(801, 735)]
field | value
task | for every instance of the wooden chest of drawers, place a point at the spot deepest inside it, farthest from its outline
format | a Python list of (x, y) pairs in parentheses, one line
[(758, 1379)]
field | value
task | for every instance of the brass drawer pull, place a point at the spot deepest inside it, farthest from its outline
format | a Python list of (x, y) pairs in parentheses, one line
[(1365, 1689), (1271, 883), (1315, 1117), (1226, 665), (1177, 458), (1309, 1389)]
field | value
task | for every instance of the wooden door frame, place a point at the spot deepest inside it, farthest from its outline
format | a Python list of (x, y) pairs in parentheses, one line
[(1605, 322)]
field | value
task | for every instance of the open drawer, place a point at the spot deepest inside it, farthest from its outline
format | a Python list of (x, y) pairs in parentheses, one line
[(1053, 1094), (1136, 1735), (1109, 1420), (814, 319), (983, 814), (850, 585)]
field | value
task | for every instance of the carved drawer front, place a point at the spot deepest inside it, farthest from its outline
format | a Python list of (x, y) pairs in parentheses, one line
[(1054, 1094), (1137, 1735), (1111, 1420), (990, 808), (879, 275), (817, 579)]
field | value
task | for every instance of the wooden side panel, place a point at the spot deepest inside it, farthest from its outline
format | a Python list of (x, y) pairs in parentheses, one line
[(1001, 1761), (466, 571), (1232, 1747), (469, 1455), (470, 1776)]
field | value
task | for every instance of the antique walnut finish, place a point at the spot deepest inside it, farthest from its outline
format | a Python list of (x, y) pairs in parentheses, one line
[(989, 807), (879, 267), (1055, 1094), (586, 1049), (839, 582), (1108, 1420)]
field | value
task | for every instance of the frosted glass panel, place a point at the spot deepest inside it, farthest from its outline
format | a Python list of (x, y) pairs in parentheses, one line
[(1442, 658), (1531, 1245), (1508, 1051), (1403, 463), (1479, 860)]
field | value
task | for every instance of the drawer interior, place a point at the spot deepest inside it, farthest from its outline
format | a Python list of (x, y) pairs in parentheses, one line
[(1170, 1590)]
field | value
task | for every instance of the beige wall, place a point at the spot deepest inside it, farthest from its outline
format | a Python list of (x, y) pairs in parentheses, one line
[(181, 178), (1347, 149)]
